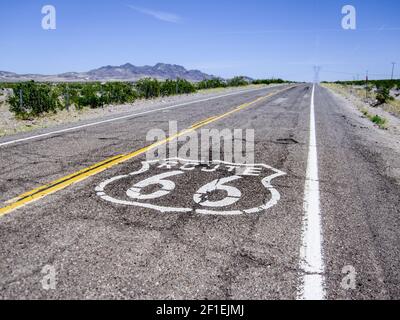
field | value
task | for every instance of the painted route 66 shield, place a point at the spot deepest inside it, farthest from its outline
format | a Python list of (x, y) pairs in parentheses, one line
[(178, 186)]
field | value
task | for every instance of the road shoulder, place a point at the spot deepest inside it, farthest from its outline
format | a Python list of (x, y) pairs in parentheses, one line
[(385, 142)]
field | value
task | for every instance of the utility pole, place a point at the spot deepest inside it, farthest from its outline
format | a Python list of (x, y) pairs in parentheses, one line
[(21, 101), (393, 64), (317, 70), (101, 96), (366, 86), (67, 98)]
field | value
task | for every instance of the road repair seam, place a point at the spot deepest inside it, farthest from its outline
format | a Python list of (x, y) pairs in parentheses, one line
[(122, 118), (83, 174), (311, 259)]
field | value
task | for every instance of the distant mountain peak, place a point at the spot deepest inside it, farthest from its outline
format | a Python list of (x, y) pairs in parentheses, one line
[(126, 65), (125, 72)]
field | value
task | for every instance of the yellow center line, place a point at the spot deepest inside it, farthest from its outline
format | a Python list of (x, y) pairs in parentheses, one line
[(84, 174), (202, 121)]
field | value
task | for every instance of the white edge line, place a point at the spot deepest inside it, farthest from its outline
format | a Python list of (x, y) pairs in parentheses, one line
[(312, 282), (125, 117)]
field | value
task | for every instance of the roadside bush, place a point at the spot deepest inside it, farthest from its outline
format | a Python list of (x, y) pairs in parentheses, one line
[(383, 95), (152, 88), (211, 84), (378, 121), (237, 82), (268, 81), (377, 83), (185, 87), (39, 98), (68, 94), (33, 99), (118, 93), (90, 96), (168, 88), (148, 88)]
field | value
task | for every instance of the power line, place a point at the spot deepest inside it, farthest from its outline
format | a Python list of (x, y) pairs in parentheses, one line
[(317, 70), (356, 75), (353, 73)]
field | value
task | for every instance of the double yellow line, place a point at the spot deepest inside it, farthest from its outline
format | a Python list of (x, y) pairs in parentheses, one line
[(83, 174)]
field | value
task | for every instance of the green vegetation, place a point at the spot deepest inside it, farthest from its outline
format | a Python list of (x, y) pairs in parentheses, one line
[(91, 96), (152, 88), (379, 121), (180, 86), (383, 95), (211, 84), (376, 83), (237, 82), (378, 89), (118, 93), (32, 99), (269, 81)]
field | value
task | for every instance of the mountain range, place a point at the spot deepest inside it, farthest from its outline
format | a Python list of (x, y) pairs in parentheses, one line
[(126, 72)]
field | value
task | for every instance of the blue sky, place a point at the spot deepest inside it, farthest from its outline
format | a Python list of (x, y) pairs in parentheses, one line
[(258, 38)]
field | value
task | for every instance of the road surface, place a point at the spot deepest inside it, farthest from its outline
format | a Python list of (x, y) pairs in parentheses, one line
[(325, 225)]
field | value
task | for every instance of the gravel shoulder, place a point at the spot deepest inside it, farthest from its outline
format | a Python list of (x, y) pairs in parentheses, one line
[(386, 142), (389, 111)]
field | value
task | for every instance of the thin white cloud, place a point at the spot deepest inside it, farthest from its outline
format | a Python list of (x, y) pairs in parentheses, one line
[(160, 15)]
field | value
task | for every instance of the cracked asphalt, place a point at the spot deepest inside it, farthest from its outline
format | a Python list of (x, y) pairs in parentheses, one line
[(102, 249)]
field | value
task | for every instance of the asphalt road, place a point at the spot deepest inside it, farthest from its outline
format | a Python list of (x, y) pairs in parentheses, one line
[(103, 243)]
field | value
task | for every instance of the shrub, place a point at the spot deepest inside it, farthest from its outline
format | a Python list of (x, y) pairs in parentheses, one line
[(152, 88), (118, 92), (148, 88), (379, 121), (237, 82), (383, 95), (168, 88), (268, 81), (210, 84), (33, 99), (90, 96), (185, 87)]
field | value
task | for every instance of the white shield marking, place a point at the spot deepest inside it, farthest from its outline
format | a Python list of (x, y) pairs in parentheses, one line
[(201, 197)]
